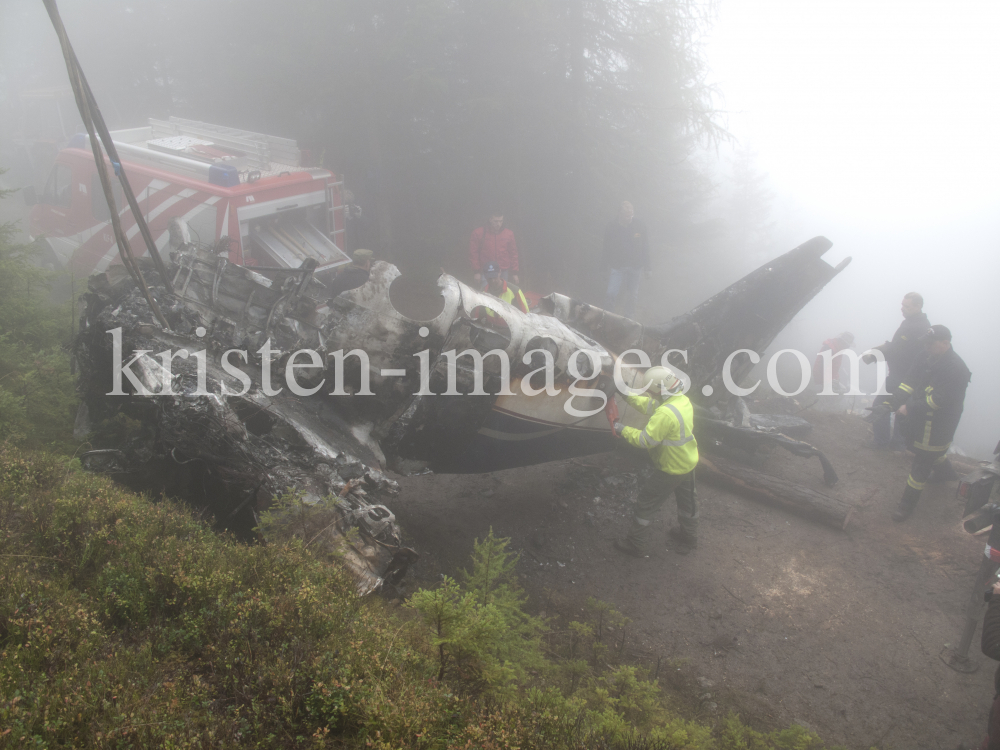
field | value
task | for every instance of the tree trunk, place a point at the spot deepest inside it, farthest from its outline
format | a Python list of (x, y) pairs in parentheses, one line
[(775, 491)]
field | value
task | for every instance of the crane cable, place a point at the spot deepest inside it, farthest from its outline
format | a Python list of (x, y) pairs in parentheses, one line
[(93, 121)]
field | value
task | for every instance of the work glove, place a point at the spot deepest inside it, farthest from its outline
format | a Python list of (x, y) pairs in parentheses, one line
[(619, 428), (870, 358)]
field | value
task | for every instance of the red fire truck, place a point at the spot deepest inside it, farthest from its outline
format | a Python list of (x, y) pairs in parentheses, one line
[(243, 195)]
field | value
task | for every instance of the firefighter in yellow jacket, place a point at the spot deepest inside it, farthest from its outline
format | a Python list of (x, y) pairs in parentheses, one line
[(669, 439)]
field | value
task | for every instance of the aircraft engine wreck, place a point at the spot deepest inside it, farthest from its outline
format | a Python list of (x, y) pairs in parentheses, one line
[(179, 412)]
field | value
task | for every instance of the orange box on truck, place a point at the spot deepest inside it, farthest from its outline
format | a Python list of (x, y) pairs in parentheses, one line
[(241, 194)]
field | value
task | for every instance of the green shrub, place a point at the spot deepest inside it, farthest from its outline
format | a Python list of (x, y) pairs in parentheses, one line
[(129, 624), (129, 620), (479, 628), (37, 396)]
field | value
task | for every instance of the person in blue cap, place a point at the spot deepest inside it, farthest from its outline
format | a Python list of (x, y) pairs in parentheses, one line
[(498, 287)]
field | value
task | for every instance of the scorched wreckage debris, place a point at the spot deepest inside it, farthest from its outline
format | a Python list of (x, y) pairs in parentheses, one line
[(214, 429), (233, 454)]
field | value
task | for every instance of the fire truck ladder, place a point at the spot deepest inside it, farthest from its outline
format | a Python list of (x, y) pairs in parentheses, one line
[(261, 150), (334, 191)]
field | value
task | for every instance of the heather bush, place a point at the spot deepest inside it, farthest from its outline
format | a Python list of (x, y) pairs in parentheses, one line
[(37, 397), (127, 623)]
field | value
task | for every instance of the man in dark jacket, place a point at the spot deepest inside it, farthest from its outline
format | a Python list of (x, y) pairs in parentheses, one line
[(930, 399), (900, 355), (626, 254)]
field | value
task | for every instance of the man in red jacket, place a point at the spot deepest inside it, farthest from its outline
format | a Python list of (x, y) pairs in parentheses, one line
[(836, 345), (493, 244)]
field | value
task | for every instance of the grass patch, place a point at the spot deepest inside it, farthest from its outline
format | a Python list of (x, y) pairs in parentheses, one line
[(37, 398), (129, 624)]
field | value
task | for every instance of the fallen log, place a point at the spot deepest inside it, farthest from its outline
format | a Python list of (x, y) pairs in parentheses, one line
[(775, 491)]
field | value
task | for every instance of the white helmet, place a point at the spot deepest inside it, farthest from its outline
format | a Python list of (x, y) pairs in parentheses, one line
[(664, 380)]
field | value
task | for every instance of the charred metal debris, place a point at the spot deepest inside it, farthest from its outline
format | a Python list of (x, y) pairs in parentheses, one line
[(230, 455)]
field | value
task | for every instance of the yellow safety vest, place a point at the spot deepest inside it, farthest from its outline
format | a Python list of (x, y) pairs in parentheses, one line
[(668, 435), (508, 295)]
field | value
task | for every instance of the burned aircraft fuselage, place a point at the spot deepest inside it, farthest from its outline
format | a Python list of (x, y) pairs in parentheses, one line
[(263, 385)]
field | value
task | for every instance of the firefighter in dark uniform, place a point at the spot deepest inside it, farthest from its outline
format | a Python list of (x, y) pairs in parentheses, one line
[(900, 355), (930, 399)]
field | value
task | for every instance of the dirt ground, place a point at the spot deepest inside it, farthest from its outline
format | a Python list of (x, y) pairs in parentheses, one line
[(839, 631)]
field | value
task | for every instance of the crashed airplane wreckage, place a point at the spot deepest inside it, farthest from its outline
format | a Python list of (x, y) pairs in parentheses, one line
[(231, 455)]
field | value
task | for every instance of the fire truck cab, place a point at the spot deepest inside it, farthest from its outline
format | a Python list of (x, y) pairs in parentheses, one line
[(241, 195)]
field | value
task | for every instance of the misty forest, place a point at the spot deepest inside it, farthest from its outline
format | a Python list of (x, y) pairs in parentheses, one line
[(296, 447)]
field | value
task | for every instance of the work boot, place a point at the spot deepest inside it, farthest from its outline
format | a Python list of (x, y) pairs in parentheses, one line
[(684, 543), (906, 504), (902, 512), (943, 472), (624, 545)]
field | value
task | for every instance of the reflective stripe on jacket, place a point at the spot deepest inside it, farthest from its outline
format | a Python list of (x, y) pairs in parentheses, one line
[(934, 394), (668, 435), (513, 296)]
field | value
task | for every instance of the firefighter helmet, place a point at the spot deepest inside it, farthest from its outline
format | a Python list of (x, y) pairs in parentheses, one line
[(664, 380)]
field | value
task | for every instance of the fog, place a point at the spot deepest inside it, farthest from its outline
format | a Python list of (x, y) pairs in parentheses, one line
[(876, 125), (873, 124)]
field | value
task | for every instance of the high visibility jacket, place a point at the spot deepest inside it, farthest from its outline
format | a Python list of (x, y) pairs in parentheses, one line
[(668, 435), (512, 295), (934, 394)]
